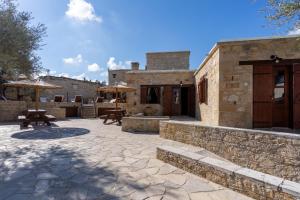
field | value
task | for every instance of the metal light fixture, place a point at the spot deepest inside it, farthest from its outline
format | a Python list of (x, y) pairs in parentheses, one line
[(275, 58)]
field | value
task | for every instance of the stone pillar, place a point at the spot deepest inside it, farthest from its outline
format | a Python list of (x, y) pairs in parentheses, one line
[(135, 66)]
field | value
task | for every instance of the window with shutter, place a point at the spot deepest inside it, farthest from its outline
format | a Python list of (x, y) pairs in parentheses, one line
[(150, 95), (202, 90)]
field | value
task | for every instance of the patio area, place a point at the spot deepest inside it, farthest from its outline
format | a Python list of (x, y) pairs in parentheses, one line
[(84, 159)]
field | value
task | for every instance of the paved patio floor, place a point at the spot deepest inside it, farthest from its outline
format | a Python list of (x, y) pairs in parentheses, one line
[(84, 159)]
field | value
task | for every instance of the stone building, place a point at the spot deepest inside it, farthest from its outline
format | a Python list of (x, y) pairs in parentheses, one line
[(251, 83), (165, 87), (70, 88)]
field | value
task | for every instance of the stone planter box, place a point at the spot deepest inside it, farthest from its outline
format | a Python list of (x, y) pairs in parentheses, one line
[(142, 124)]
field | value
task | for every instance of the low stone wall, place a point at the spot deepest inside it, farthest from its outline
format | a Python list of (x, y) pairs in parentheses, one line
[(142, 124), (246, 181), (269, 152), (9, 110)]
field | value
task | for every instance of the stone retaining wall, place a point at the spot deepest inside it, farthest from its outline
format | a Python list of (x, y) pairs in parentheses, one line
[(142, 124), (269, 152), (9, 110), (249, 182)]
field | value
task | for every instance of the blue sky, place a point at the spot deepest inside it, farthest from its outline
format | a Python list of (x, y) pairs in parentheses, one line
[(85, 37)]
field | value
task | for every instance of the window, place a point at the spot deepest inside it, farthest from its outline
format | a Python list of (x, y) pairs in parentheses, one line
[(202, 90), (279, 86), (114, 75), (75, 86), (150, 95)]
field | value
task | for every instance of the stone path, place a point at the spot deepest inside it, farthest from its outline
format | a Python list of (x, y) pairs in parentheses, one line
[(84, 159)]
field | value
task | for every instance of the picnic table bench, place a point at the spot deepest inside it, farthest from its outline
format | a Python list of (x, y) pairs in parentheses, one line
[(114, 115), (35, 116)]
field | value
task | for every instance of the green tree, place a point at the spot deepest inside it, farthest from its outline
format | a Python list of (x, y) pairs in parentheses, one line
[(19, 41), (284, 12)]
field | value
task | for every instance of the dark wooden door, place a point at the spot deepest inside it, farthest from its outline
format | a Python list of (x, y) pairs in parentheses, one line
[(296, 95), (262, 96), (176, 101), (280, 109), (167, 99), (191, 100)]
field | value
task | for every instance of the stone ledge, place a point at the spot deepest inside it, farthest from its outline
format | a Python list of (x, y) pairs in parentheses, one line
[(252, 183), (146, 124), (269, 152)]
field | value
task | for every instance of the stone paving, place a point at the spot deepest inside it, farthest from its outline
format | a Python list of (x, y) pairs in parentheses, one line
[(84, 159)]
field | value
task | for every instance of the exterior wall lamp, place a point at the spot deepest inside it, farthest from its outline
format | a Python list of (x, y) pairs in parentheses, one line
[(275, 58)]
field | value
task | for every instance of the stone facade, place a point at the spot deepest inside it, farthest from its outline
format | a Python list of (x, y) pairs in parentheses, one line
[(71, 88), (209, 113), (153, 77), (273, 153), (117, 76), (234, 81), (168, 60), (142, 124)]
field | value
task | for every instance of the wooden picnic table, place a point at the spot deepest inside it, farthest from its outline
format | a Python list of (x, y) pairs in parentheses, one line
[(115, 115), (33, 115)]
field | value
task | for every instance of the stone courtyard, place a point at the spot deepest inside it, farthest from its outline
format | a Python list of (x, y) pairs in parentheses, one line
[(84, 159)]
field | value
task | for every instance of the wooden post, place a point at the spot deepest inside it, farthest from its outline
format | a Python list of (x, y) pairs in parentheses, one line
[(116, 98), (37, 98)]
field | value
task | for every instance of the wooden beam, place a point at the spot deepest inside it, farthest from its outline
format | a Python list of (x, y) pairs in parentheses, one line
[(263, 62)]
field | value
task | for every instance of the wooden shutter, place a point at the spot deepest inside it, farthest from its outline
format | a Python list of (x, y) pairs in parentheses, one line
[(296, 95), (144, 94), (202, 90), (167, 101), (262, 96), (158, 94)]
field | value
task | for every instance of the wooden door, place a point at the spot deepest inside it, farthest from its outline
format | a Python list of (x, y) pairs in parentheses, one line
[(191, 101), (167, 99), (176, 101), (296, 95), (262, 96), (280, 109)]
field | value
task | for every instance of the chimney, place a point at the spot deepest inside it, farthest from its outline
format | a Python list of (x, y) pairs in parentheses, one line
[(135, 66)]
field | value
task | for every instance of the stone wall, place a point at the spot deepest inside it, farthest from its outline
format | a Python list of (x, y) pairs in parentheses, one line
[(142, 124), (273, 153), (246, 181), (209, 113), (236, 81), (153, 77), (168, 60), (9, 110), (116, 76), (71, 87)]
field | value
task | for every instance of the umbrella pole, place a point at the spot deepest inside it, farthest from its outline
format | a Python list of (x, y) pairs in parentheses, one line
[(116, 98), (37, 96)]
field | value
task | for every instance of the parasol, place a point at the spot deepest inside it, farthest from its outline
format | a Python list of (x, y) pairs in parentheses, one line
[(37, 85), (116, 88)]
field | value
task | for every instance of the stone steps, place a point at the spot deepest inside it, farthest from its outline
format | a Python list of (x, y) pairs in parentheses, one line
[(252, 183), (88, 112)]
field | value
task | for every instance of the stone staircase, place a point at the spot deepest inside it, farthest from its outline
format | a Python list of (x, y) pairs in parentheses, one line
[(252, 183), (88, 111)]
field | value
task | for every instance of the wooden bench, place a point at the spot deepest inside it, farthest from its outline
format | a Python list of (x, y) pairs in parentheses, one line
[(39, 117)]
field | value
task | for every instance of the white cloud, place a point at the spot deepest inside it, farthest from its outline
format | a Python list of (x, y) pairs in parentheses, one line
[(94, 67), (80, 77), (104, 73), (82, 11), (73, 61), (112, 64), (295, 31)]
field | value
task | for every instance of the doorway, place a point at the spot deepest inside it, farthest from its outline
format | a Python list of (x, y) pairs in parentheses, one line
[(179, 100), (273, 93)]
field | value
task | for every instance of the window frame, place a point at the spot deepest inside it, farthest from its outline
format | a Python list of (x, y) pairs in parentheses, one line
[(144, 94), (203, 90)]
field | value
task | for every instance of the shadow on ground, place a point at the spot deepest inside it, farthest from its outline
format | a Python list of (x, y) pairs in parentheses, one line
[(57, 173), (45, 133)]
